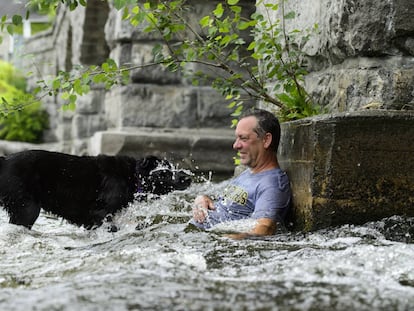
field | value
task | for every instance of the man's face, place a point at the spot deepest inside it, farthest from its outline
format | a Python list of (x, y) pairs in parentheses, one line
[(248, 144)]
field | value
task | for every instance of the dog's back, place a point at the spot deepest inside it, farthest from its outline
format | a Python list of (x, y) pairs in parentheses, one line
[(81, 189)]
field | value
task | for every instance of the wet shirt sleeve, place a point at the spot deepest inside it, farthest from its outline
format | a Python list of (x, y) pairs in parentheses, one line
[(273, 198)]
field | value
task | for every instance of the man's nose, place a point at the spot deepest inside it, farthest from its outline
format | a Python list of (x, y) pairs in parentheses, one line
[(236, 144)]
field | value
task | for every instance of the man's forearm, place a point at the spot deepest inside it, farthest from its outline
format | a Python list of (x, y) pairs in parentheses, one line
[(263, 227)]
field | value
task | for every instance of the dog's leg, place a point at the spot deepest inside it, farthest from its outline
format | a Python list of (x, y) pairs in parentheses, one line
[(24, 213)]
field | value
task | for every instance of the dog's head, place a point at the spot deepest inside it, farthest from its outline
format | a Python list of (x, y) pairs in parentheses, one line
[(159, 176)]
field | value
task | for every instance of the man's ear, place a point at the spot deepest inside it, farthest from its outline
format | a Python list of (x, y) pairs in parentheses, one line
[(267, 140)]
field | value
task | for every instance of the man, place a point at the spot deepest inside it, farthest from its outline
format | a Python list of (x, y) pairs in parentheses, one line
[(261, 192)]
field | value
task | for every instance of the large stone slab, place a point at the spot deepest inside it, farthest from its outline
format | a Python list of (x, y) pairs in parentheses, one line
[(349, 167), (157, 106)]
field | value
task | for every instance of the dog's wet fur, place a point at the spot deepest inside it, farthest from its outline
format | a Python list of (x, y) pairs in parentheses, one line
[(84, 190)]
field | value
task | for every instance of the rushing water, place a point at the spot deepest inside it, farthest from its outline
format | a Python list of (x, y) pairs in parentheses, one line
[(166, 266)]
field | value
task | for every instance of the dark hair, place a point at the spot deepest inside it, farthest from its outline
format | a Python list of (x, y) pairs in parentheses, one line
[(266, 123)]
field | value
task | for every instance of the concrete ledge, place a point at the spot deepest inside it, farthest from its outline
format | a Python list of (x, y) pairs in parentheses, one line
[(349, 167), (200, 150)]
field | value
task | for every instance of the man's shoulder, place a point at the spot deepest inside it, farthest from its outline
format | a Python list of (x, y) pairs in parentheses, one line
[(274, 178)]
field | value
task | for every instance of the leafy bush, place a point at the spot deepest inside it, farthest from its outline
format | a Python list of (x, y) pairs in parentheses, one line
[(21, 119)]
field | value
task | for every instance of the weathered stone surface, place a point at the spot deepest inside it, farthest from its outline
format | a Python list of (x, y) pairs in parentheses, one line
[(141, 55), (350, 167), (365, 83), (352, 28), (361, 54), (91, 103), (84, 126), (150, 105)]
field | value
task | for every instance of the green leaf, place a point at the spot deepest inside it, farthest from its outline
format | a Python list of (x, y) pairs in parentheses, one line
[(65, 95), (135, 9), (205, 21), (218, 12), (243, 25), (56, 84), (73, 5), (72, 99), (99, 78), (125, 77), (17, 20), (10, 29), (224, 41), (125, 14), (232, 104), (251, 46), (71, 106), (105, 67), (236, 9), (77, 87), (232, 2)]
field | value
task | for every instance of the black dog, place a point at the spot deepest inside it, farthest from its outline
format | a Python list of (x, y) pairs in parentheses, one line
[(81, 189)]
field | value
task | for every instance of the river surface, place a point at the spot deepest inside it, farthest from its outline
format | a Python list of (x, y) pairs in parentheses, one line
[(165, 265)]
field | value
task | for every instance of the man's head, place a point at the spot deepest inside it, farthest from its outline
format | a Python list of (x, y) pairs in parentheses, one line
[(257, 138)]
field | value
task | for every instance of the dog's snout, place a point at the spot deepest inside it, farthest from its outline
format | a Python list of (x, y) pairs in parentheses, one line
[(184, 178)]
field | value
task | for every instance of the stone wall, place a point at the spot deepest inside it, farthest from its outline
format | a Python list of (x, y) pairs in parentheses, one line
[(362, 55), (62, 48), (349, 167)]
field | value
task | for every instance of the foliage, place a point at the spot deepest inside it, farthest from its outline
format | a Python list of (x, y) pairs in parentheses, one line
[(19, 124), (242, 55), (253, 56)]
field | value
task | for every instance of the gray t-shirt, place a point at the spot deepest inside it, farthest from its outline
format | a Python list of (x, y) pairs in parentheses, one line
[(261, 195)]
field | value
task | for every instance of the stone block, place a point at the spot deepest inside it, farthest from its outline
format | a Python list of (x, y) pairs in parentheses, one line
[(141, 55), (353, 28), (84, 126), (363, 83), (91, 103), (349, 168), (150, 105), (360, 55)]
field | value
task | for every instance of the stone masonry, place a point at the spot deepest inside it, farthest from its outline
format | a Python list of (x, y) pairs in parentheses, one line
[(362, 56), (349, 167)]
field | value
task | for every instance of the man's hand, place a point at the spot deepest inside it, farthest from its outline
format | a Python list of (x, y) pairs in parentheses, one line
[(201, 204)]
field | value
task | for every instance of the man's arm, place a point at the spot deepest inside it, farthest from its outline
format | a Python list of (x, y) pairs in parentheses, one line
[(264, 226)]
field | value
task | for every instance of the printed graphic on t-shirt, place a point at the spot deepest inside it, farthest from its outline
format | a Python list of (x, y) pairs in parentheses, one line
[(236, 194)]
